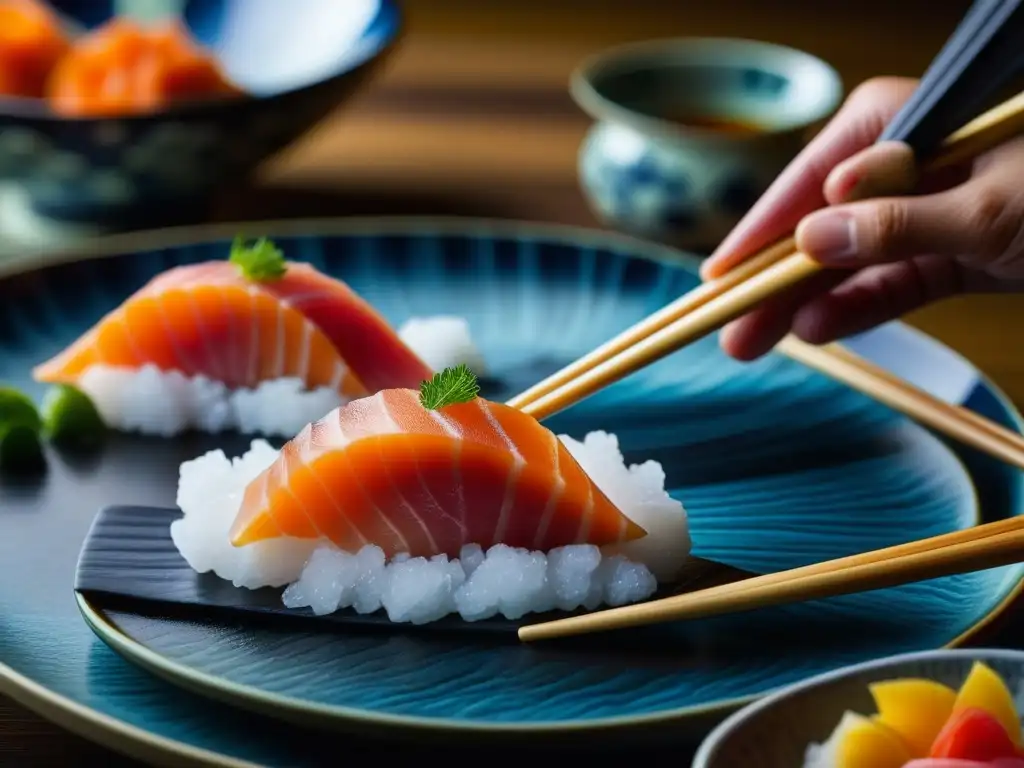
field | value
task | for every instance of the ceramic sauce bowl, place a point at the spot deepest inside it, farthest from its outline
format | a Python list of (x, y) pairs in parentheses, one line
[(690, 132)]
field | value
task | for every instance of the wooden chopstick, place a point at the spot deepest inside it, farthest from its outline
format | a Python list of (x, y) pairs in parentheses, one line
[(664, 317), (716, 302), (975, 533), (974, 549), (879, 384), (699, 322)]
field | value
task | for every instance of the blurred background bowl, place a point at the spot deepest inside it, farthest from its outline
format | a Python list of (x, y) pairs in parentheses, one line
[(297, 60), (690, 132), (776, 731)]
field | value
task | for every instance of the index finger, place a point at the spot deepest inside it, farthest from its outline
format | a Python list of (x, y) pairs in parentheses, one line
[(799, 189)]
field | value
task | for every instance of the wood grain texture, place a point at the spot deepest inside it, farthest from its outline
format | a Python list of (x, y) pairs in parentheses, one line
[(472, 117)]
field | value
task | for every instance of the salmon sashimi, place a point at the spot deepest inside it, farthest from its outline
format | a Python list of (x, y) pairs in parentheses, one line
[(125, 68), (209, 319), (31, 43), (385, 470), (363, 337)]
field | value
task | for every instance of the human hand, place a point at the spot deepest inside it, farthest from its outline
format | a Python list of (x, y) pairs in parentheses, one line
[(964, 232)]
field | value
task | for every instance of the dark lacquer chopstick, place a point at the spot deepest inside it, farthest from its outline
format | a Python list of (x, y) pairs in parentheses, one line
[(983, 55)]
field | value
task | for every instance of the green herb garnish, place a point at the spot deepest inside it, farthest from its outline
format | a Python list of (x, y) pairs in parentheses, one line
[(21, 449), (262, 261), (70, 418), (450, 386), (18, 408)]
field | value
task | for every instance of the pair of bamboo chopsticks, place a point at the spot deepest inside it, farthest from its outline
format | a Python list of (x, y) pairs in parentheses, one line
[(716, 302), (975, 549)]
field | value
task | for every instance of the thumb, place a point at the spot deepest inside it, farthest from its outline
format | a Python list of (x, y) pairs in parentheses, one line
[(978, 226)]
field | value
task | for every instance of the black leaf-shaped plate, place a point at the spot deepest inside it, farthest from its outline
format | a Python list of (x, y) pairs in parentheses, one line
[(129, 562)]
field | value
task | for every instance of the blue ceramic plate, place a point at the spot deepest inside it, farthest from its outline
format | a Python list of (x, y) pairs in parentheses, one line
[(777, 466)]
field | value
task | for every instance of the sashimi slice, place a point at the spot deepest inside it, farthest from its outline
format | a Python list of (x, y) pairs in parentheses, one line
[(124, 67), (384, 470), (365, 340), (31, 43), (984, 689), (915, 709), (208, 319)]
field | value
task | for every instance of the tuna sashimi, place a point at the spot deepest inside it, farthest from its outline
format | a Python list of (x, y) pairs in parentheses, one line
[(389, 471), (212, 319)]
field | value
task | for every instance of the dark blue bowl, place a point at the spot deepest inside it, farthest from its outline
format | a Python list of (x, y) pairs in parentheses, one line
[(296, 61)]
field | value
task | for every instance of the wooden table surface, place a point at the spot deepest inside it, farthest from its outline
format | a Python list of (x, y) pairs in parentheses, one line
[(472, 117)]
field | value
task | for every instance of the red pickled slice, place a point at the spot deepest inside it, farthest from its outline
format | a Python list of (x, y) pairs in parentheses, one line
[(985, 689), (974, 734), (950, 762)]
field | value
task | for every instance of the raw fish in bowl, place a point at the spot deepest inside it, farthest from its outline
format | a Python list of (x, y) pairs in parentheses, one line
[(111, 122)]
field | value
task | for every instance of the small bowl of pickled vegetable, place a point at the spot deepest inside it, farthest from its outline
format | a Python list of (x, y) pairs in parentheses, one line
[(115, 115), (938, 709)]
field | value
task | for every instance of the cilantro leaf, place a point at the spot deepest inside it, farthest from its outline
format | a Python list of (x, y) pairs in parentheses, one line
[(261, 261), (450, 386)]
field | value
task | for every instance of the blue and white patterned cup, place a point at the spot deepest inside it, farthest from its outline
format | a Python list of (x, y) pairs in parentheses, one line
[(691, 132)]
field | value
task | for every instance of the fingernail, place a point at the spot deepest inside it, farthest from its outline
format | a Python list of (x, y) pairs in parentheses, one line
[(829, 237)]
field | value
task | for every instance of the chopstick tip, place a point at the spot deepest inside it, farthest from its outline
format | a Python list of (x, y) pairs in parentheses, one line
[(557, 628), (621, 617)]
